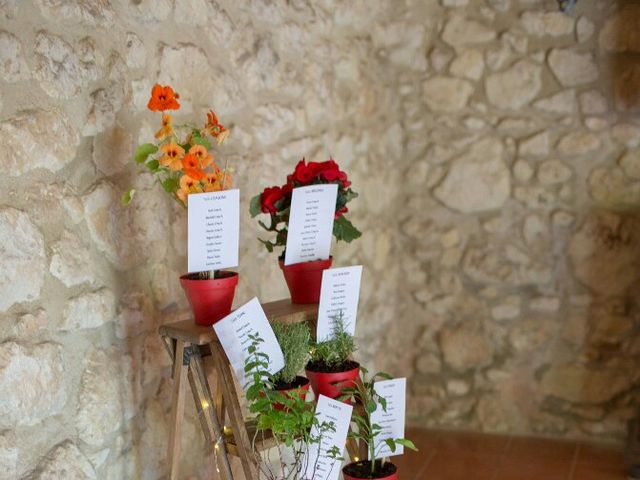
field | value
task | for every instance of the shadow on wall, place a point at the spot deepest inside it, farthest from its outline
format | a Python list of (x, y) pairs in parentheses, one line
[(605, 253)]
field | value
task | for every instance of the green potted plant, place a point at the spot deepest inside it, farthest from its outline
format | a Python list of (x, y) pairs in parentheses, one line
[(288, 418), (363, 393), (304, 279), (331, 367), (182, 163), (294, 339)]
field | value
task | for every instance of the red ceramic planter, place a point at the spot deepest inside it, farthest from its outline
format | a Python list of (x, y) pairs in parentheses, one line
[(305, 279), (210, 299), (346, 476), (331, 384)]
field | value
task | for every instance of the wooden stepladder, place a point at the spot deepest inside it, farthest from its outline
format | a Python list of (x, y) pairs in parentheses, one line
[(191, 347)]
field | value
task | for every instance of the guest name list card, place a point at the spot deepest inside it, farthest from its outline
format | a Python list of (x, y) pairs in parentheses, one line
[(214, 230), (311, 223), (339, 293), (233, 332), (391, 421), (319, 466)]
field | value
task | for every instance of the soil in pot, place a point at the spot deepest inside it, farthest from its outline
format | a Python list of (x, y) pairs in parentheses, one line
[(362, 470), (321, 367)]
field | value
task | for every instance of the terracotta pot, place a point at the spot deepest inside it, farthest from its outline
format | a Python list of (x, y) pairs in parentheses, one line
[(210, 299), (305, 279), (300, 391), (331, 384), (392, 476)]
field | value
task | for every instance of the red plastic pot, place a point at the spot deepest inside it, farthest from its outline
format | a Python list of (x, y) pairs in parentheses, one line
[(210, 299), (346, 476), (305, 279), (301, 392), (331, 384)]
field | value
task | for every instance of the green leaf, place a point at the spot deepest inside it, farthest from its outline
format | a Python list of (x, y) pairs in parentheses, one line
[(343, 229), (197, 140), (255, 207), (170, 184), (405, 442), (391, 444), (143, 151), (127, 197), (153, 165)]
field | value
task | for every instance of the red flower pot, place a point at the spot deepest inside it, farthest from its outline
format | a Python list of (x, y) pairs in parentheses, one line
[(331, 384), (210, 299), (305, 279), (391, 471), (300, 391)]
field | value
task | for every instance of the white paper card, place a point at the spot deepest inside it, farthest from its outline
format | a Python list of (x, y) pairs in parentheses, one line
[(233, 332), (214, 230), (339, 293), (318, 465), (313, 209), (391, 421)]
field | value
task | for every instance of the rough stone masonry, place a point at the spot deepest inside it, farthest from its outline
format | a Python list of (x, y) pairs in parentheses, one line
[(495, 147)]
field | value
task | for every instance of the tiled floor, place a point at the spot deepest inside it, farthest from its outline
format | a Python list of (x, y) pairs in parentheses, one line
[(473, 456)]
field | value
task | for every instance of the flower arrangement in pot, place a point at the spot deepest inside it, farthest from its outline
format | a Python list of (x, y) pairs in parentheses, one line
[(331, 368), (294, 339), (304, 279), (182, 163), (364, 394)]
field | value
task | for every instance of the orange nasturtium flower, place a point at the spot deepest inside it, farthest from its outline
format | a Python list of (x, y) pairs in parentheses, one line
[(215, 128), (191, 166), (173, 154), (188, 185), (204, 157), (163, 98), (167, 127), (211, 183)]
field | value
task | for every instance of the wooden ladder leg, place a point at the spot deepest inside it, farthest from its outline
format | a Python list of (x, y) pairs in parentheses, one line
[(207, 414), (243, 443), (177, 409)]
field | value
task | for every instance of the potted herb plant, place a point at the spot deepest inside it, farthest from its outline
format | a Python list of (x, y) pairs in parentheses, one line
[(288, 418), (363, 393), (182, 163), (304, 279), (331, 367), (294, 339)]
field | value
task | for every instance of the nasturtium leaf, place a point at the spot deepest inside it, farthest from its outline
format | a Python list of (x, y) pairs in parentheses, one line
[(197, 140), (153, 165), (143, 151), (170, 184)]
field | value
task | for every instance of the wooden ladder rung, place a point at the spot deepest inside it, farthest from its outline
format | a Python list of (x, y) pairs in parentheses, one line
[(263, 443)]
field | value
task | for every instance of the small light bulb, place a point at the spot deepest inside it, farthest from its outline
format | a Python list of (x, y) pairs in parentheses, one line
[(356, 459), (217, 447), (205, 404)]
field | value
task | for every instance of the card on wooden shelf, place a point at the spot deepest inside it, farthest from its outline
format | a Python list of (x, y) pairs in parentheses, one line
[(338, 296), (391, 421)]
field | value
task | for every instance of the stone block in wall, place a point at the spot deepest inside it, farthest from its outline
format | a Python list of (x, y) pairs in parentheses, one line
[(22, 259), (32, 381), (64, 461)]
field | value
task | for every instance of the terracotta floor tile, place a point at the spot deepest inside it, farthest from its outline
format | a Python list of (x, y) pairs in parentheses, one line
[(604, 471), (532, 450), (457, 465), (472, 442), (600, 453), (412, 463), (548, 468)]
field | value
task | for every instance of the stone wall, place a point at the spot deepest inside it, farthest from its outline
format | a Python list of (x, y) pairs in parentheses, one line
[(494, 144)]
